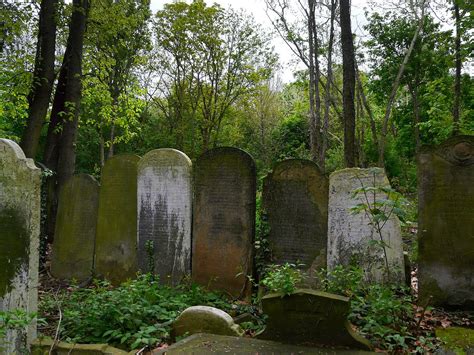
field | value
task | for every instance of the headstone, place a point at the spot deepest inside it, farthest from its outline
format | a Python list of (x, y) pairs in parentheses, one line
[(165, 214), (76, 221), (446, 223), (204, 319), (20, 206), (295, 199), (352, 237), (311, 318), (116, 240), (224, 220)]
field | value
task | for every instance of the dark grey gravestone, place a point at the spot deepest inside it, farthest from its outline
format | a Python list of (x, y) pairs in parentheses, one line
[(446, 223), (224, 220), (295, 199), (165, 213), (76, 221), (116, 240)]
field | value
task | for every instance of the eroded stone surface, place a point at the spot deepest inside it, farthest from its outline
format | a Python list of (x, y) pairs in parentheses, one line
[(164, 213), (73, 247), (204, 319), (116, 240), (19, 238), (224, 220), (295, 199), (351, 237), (446, 223), (309, 317)]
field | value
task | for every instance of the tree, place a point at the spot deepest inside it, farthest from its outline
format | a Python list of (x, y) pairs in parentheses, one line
[(348, 64), (43, 77)]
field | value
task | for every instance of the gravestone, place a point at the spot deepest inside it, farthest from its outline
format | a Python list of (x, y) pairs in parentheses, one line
[(224, 220), (351, 237), (446, 223), (295, 200), (165, 213), (116, 240), (76, 221), (311, 318), (20, 205)]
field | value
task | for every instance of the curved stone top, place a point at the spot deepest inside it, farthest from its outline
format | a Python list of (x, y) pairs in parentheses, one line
[(291, 164), (120, 159), (13, 149), (209, 311), (164, 155), (457, 150), (84, 177), (229, 151)]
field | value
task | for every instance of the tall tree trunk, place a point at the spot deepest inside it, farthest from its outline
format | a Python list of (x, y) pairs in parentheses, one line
[(396, 84), (312, 80), (43, 77), (457, 77), (416, 114), (348, 88)]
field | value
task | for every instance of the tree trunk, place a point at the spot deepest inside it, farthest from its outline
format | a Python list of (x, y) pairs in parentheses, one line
[(312, 104), (416, 115), (396, 84), (457, 77), (43, 77), (348, 88)]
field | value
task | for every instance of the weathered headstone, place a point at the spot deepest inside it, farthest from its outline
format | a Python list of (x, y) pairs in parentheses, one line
[(165, 213), (20, 183), (204, 319), (76, 221), (311, 318), (295, 199), (352, 237), (446, 223), (116, 240), (224, 220)]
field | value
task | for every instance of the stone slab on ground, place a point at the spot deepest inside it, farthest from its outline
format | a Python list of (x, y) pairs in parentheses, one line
[(457, 340), (45, 347), (221, 344), (310, 317)]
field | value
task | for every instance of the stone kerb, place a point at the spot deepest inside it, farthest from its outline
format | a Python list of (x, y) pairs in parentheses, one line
[(446, 223), (351, 237), (76, 221), (116, 240), (164, 198), (224, 220), (20, 183), (295, 200)]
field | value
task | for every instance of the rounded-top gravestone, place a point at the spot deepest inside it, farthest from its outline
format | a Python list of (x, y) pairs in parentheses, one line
[(224, 220), (295, 199), (446, 223), (165, 214), (20, 206), (116, 240), (76, 221)]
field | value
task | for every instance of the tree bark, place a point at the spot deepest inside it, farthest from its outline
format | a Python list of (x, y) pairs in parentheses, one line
[(457, 77), (43, 77), (396, 84), (348, 89)]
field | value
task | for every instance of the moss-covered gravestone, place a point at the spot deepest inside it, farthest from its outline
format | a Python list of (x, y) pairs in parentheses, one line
[(224, 220), (76, 221), (295, 199), (446, 223), (164, 214), (309, 317), (19, 240), (116, 240), (352, 237)]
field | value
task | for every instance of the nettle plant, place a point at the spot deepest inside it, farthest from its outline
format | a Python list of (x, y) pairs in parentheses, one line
[(379, 203)]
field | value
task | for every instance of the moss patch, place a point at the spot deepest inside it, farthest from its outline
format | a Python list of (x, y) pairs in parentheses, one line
[(456, 338)]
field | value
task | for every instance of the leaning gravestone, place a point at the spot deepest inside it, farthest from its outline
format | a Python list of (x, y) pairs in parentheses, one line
[(165, 214), (311, 318), (76, 221), (20, 183), (295, 200), (446, 223), (351, 237), (116, 240), (224, 220)]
